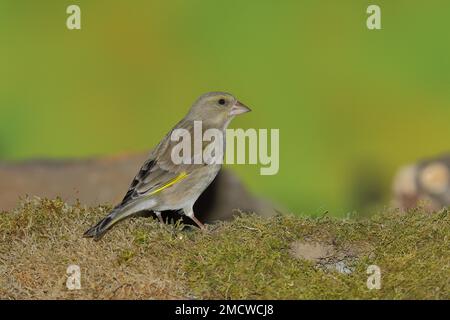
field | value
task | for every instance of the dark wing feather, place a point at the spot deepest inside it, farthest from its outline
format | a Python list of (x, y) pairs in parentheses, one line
[(137, 180)]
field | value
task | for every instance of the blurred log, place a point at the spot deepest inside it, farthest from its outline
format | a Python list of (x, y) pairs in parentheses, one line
[(105, 181), (425, 183)]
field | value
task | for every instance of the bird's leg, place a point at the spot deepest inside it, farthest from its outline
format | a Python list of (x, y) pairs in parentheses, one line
[(158, 214), (190, 213)]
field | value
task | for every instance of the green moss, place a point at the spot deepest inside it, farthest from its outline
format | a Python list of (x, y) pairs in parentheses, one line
[(125, 256), (248, 258)]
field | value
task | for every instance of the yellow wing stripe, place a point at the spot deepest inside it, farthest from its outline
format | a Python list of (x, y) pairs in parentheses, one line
[(177, 179)]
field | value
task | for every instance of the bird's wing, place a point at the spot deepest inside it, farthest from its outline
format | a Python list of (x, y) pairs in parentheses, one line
[(159, 172), (150, 180)]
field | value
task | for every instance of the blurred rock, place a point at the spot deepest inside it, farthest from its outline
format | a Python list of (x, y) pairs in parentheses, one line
[(425, 183), (106, 180)]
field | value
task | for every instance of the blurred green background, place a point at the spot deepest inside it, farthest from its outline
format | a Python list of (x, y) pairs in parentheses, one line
[(351, 104)]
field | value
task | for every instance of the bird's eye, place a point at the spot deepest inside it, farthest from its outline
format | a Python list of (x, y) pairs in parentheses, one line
[(221, 102)]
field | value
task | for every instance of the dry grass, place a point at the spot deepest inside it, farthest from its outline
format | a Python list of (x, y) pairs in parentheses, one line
[(250, 257), (42, 238)]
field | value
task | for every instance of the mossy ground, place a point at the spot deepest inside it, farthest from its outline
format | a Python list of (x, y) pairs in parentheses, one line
[(250, 257)]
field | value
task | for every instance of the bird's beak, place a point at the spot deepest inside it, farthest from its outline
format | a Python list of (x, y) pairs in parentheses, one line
[(239, 108)]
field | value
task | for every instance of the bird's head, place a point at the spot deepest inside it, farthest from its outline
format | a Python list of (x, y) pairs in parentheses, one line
[(217, 107)]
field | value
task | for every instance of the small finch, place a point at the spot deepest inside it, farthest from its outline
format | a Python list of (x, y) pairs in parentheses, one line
[(163, 184)]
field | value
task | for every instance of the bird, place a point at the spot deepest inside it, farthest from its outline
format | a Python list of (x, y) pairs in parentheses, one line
[(164, 184)]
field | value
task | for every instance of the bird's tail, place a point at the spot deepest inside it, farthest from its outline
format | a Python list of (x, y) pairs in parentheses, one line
[(99, 230)]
